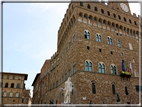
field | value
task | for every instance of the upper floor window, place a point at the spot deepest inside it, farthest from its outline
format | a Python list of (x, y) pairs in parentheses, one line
[(13, 77), (119, 17), (4, 94), (81, 3), (69, 74), (108, 13), (88, 6), (101, 68), (88, 66), (109, 40), (2, 76), (55, 64), (19, 78), (124, 19), (93, 88), (95, 8), (73, 37), (86, 35), (102, 11), (113, 70), (11, 94), (48, 70), (44, 73), (130, 46), (12, 85), (7, 76), (53, 85), (100, 39), (57, 84), (119, 44), (18, 85), (130, 20), (135, 22), (74, 69), (114, 15), (17, 95), (6, 85)]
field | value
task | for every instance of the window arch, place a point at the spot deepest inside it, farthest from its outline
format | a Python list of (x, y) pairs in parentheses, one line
[(119, 44), (109, 40), (18, 85), (114, 15), (95, 8), (119, 17), (88, 6), (86, 35), (113, 69), (12, 85), (11, 94), (130, 46), (102, 11), (17, 95), (130, 21), (101, 68), (6, 85), (124, 19), (108, 13), (4, 94), (88, 66)]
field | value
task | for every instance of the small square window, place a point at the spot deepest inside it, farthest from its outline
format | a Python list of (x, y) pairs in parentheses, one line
[(121, 54), (111, 53), (100, 50), (19, 78), (88, 47)]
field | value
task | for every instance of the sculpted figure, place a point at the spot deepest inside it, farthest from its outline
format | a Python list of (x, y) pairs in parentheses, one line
[(67, 90)]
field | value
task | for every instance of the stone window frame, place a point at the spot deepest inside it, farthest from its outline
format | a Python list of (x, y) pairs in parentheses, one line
[(113, 91), (109, 40), (4, 94), (89, 65), (113, 65), (6, 85), (101, 63), (119, 43), (12, 85), (86, 36), (10, 94), (99, 37), (16, 94)]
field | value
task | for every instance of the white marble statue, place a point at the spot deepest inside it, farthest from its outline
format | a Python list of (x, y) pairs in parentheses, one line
[(67, 90)]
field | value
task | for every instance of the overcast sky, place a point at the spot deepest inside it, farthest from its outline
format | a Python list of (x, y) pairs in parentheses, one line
[(30, 35)]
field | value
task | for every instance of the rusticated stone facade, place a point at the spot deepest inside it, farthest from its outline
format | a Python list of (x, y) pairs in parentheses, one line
[(85, 53)]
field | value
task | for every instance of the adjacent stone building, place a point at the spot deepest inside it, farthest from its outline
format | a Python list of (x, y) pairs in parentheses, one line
[(94, 39), (13, 87)]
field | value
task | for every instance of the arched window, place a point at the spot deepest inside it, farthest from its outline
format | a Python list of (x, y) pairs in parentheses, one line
[(101, 68), (135, 22), (113, 70), (11, 94), (4, 94), (130, 46), (108, 13), (113, 89), (130, 20), (119, 17), (18, 85), (17, 95), (119, 44), (97, 38), (100, 40), (124, 19), (93, 88), (86, 35), (6, 85), (114, 15), (88, 6), (110, 41), (95, 8), (88, 66), (102, 11), (12, 85)]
